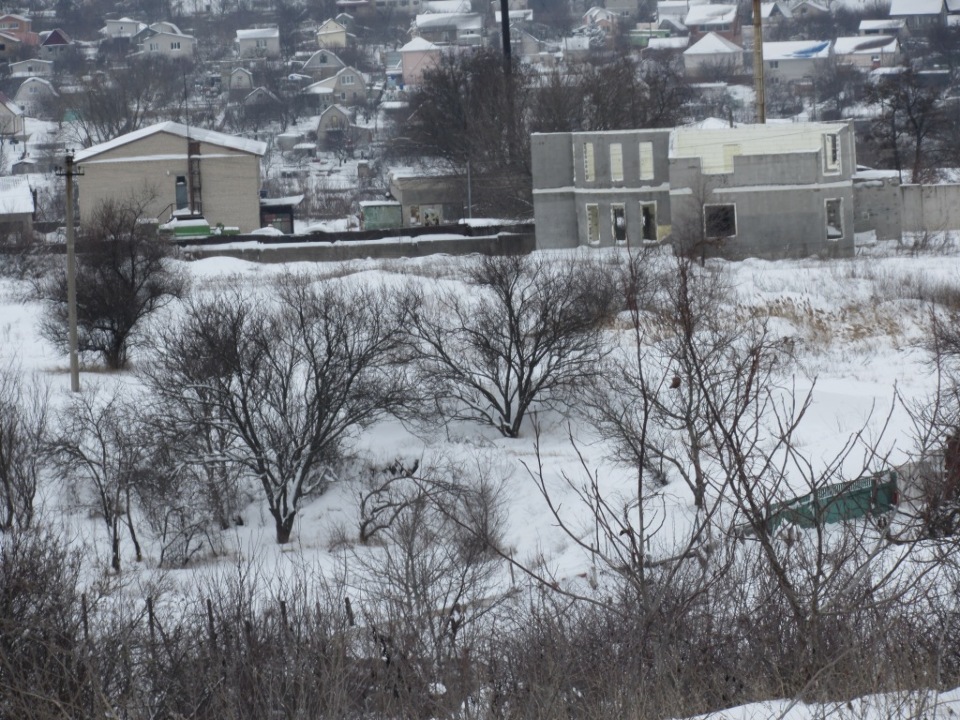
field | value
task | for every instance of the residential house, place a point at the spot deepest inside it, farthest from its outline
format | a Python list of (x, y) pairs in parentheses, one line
[(11, 118), (348, 87), (601, 189), (122, 28), (182, 168), (259, 43), (53, 43), (776, 190), (600, 17), (712, 55), (809, 9), (10, 46), (331, 34), (794, 60), (450, 28), (416, 57), (724, 20), (239, 80), (322, 64), (774, 13), (895, 27), (168, 44), (17, 207), (36, 96), (18, 27), (336, 130), (674, 10), (920, 14), (31, 68), (867, 53)]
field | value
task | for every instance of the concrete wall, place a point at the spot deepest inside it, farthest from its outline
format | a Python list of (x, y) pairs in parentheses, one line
[(878, 202), (426, 197), (505, 244), (931, 208), (562, 193)]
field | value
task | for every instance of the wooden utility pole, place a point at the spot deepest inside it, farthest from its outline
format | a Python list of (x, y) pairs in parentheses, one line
[(758, 63), (69, 171)]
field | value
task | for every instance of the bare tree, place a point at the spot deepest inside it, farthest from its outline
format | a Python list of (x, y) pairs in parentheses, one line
[(123, 277), (289, 383), (24, 408), (532, 331), (100, 454)]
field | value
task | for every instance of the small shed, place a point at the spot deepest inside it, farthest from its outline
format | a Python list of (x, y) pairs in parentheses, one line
[(380, 215), (279, 212)]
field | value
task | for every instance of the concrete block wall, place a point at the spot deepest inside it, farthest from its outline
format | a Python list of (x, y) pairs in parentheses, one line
[(878, 202), (931, 208)]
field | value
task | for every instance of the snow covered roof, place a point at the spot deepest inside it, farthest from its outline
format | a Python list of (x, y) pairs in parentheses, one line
[(461, 21), (869, 45), (883, 24), (796, 50), (419, 44), (15, 196), (713, 44), (254, 147), (258, 34), (668, 43), (767, 8), (10, 105), (446, 6), (900, 8), (518, 15), (710, 15)]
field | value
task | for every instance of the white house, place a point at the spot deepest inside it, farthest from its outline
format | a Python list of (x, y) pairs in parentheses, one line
[(31, 68), (123, 27), (920, 13), (259, 42), (884, 26), (34, 94), (867, 53), (712, 53), (170, 44), (331, 34), (794, 60)]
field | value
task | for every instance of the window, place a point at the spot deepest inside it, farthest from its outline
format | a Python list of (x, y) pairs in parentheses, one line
[(175, 45), (834, 218), (154, 47), (261, 43), (773, 64), (616, 162), (593, 224), (648, 221), (347, 79), (646, 161), (720, 221), (618, 222), (831, 153), (588, 169)]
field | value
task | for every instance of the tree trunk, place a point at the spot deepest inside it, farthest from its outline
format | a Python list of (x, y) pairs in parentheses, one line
[(284, 527), (115, 559)]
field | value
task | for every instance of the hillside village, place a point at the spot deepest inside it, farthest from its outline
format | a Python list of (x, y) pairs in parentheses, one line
[(379, 115)]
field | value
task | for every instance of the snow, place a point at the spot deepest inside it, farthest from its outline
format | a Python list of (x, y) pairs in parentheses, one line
[(255, 147), (796, 50), (915, 7), (15, 196), (870, 45), (419, 44), (258, 34), (711, 44), (710, 15)]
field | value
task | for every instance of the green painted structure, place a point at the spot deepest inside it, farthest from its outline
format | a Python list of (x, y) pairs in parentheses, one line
[(872, 495)]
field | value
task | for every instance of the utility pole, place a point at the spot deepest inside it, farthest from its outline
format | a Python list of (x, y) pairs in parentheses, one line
[(758, 63), (69, 171)]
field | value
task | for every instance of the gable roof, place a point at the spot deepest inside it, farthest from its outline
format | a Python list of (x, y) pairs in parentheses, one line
[(712, 44), (883, 24), (710, 15), (871, 44), (254, 147), (15, 196), (318, 59), (258, 34), (767, 9), (419, 44), (796, 50), (10, 105)]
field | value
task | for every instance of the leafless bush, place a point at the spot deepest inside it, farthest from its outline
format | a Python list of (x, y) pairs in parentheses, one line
[(24, 410)]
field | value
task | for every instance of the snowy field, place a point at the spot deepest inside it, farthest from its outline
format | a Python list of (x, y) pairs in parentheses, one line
[(856, 325)]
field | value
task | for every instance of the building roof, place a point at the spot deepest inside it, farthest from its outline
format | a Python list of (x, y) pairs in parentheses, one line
[(15, 196), (461, 21), (254, 147), (767, 8), (668, 43), (901, 8), (710, 15), (10, 105), (258, 33), (869, 45), (713, 44), (419, 44), (883, 24), (446, 6), (796, 50)]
